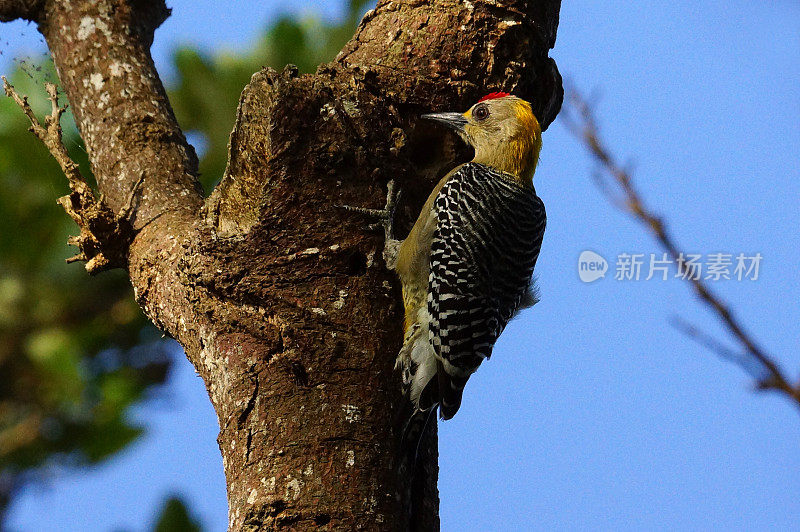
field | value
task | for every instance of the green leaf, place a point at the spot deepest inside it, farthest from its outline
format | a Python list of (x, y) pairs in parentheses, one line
[(69, 355), (103, 439), (175, 517)]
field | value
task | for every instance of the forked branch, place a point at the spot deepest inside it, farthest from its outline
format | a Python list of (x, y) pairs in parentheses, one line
[(104, 237), (617, 185)]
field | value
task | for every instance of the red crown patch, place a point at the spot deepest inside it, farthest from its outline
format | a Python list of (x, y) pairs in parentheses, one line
[(493, 95)]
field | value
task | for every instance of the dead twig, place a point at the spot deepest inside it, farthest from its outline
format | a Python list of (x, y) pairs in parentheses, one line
[(104, 237), (580, 120)]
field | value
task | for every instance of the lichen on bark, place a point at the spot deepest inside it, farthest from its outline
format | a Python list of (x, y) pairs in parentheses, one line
[(280, 299)]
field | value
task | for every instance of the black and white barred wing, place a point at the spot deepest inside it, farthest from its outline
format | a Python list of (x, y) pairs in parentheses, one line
[(489, 231)]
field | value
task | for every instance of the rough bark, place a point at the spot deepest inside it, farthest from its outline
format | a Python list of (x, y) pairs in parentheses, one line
[(279, 298)]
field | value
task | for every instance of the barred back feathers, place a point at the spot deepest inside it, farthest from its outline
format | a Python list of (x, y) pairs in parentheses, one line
[(487, 238)]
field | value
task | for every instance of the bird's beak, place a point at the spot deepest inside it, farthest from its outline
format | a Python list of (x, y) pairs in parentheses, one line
[(452, 120)]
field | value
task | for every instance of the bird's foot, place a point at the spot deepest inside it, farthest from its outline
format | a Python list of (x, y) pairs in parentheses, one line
[(384, 220)]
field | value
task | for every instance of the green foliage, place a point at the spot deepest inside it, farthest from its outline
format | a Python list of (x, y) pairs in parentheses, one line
[(175, 517), (69, 365), (69, 362)]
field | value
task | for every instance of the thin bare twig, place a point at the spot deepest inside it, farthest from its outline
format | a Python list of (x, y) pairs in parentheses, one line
[(753, 358), (104, 237), (50, 132), (743, 360)]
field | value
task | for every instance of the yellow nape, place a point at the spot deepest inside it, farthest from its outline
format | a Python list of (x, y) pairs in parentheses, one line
[(524, 147), (512, 143), (528, 123)]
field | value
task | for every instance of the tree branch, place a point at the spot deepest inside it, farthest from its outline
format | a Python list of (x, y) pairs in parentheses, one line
[(24, 9), (145, 169), (318, 450), (303, 144), (101, 52), (753, 359), (104, 237)]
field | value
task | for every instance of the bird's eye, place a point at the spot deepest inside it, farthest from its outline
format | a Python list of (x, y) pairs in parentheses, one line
[(481, 112)]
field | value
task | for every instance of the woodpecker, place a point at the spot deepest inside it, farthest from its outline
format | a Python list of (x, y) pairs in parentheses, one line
[(466, 266)]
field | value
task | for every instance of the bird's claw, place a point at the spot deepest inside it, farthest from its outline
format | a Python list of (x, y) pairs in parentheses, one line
[(375, 213), (384, 220), (384, 217)]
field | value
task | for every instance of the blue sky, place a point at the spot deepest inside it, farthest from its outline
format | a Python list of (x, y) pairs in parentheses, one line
[(593, 413)]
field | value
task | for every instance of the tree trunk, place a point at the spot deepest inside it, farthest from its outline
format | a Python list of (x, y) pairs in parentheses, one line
[(280, 299)]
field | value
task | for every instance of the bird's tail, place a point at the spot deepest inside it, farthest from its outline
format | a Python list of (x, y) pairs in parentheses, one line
[(418, 365), (420, 395), (413, 430), (410, 470)]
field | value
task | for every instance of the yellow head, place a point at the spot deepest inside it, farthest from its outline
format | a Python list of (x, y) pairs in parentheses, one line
[(504, 132)]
